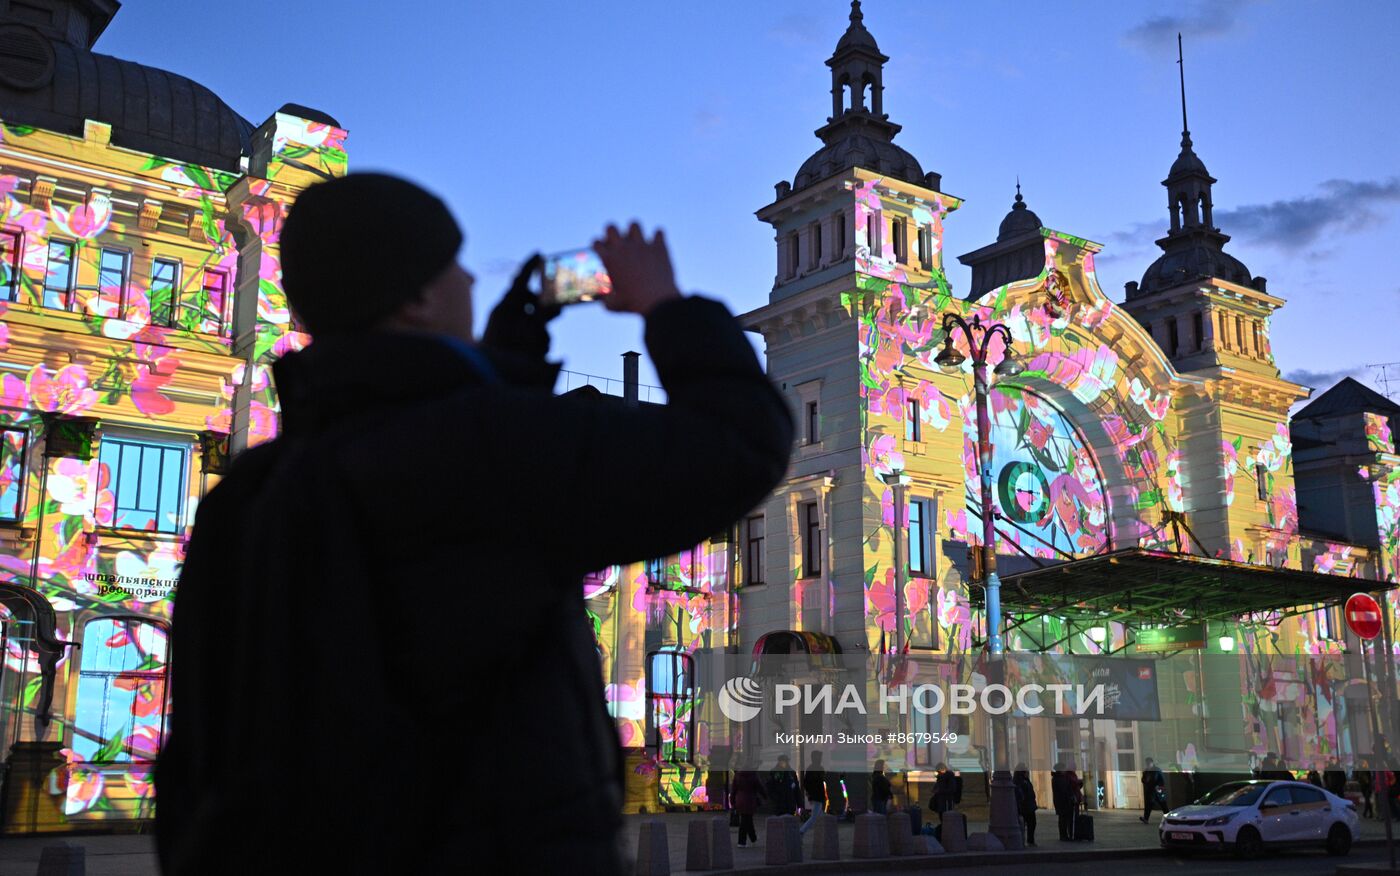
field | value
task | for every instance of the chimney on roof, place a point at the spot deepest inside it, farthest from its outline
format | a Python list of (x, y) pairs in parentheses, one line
[(631, 382)]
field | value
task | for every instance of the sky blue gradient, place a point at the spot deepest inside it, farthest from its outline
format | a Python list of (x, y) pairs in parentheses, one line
[(540, 121)]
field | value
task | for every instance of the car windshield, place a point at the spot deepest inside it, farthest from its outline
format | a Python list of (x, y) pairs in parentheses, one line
[(1233, 794)]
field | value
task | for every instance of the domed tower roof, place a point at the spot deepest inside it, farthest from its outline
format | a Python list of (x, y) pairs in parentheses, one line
[(858, 134), (1019, 221), (50, 78)]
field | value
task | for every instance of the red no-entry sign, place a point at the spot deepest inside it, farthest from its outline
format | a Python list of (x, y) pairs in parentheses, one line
[(1363, 615)]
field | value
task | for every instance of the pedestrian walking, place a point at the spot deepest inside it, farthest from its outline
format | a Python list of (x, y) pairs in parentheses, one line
[(783, 789), (814, 786), (881, 791), (388, 474), (1153, 789), (1365, 782), (748, 791), (945, 792), (1063, 798), (1334, 778), (1314, 778), (1026, 804)]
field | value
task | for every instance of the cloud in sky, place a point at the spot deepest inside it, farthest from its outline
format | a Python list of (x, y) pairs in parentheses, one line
[(1291, 223), (1204, 18), (1323, 380), (1347, 205)]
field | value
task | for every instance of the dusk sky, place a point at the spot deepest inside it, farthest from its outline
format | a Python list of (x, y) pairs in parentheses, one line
[(538, 122)]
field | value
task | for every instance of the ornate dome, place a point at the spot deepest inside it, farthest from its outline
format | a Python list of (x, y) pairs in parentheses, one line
[(56, 84), (1182, 264), (856, 36), (859, 150), (1021, 220)]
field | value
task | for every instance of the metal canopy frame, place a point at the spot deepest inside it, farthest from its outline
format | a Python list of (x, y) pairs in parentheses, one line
[(1139, 587)]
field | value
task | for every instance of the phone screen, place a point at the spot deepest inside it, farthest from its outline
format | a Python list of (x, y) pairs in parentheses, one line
[(573, 277)]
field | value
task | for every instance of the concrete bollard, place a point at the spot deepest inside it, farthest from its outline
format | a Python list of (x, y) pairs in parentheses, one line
[(775, 840), (985, 842), (63, 859), (721, 852), (872, 839), (826, 839), (697, 845), (953, 834), (901, 840), (792, 835), (653, 855)]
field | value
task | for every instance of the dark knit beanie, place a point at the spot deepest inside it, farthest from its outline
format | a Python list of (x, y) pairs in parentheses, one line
[(356, 249)]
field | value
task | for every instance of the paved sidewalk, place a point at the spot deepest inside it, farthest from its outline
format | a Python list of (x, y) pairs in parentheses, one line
[(1118, 834)]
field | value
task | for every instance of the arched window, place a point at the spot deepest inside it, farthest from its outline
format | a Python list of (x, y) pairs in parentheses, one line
[(122, 703)]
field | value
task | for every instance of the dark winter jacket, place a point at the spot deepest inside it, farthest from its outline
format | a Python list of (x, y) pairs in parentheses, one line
[(748, 790), (783, 791), (380, 632), (814, 784), (880, 787)]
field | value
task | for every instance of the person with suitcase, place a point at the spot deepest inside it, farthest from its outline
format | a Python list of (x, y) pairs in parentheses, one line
[(1062, 798)]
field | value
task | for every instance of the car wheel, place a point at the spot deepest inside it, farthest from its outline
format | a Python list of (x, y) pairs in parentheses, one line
[(1248, 843), (1338, 840)]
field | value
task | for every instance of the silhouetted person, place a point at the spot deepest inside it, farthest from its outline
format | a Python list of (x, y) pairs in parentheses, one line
[(1026, 804), (398, 574), (1365, 782), (748, 791), (881, 791), (783, 789), (1334, 778), (1153, 783), (945, 789), (814, 786)]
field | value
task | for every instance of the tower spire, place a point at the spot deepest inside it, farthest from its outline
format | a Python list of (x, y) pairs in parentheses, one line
[(1181, 65), (856, 15)]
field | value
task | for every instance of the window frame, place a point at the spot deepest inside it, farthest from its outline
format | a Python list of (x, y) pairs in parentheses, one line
[(224, 291), (20, 479), (811, 523), (913, 424), (174, 303), (72, 247), (13, 264), (814, 423), (124, 283), (109, 677), (653, 696), (925, 531), (753, 549), (182, 490)]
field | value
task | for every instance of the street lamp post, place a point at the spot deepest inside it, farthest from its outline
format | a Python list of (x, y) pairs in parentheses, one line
[(897, 481), (1003, 820)]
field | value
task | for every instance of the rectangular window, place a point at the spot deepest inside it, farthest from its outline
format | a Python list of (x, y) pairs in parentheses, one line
[(9, 265), (753, 550), (912, 427), (815, 232), (874, 236), (165, 279), (811, 540), (920, 559), (926, 248), (13, 444), (671, 697), (1261, 482), (146, 480), (1173, 337), (209, 316), (111, 279), (58, 274), (1197, 326), (814, 433), (840, 234), (656, 572), (897, 236), (1254, 338), (1239, 334)]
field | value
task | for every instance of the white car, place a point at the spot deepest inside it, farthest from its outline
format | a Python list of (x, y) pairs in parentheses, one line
[(1247, 816)]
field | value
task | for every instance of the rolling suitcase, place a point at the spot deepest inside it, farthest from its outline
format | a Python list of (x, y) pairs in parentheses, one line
[(1084, 827), (916, 818)]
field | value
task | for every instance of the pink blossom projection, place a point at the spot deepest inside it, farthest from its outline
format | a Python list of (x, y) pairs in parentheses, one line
[(1045, 482)]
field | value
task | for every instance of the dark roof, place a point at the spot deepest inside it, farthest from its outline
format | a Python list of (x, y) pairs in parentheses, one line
[(1139, 586), (150, 110), (1348, 396), (1193, 255), (1021, 220), (857, 149), (856, 36)]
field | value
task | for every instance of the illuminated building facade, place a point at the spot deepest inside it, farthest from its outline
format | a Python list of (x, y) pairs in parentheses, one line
[(140, 305), (1156, 427)]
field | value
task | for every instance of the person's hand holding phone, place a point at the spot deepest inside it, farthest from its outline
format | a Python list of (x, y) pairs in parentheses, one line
[(641, 272)]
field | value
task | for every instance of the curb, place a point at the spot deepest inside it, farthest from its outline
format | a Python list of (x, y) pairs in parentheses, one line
[(973, 859)]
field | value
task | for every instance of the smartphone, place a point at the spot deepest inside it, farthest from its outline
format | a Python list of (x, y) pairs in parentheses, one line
[(574, 277)]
